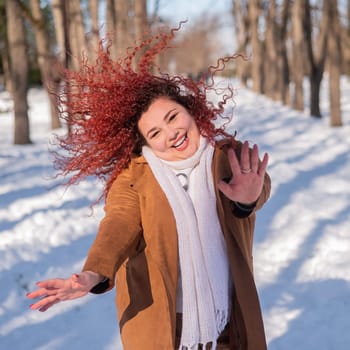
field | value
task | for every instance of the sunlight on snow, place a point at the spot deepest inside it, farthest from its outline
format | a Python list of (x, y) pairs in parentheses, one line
[(302, 240)]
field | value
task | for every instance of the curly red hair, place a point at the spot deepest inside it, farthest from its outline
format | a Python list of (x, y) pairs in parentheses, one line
[(104, 101)]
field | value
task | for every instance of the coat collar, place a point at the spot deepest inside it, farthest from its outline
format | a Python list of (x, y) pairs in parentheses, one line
[(138, 159)]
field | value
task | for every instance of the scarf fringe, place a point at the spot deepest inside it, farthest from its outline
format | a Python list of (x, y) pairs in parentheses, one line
[(196, 346), (221, 321)]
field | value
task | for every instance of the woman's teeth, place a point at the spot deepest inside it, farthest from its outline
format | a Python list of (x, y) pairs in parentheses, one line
[(180, 142)]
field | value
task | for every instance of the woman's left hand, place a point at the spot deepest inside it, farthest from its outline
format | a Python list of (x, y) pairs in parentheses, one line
[(247, 179)]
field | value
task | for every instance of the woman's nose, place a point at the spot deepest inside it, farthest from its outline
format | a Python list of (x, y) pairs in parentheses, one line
[(172, 134)]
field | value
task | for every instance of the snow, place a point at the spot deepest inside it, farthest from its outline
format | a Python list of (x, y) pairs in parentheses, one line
[(302, 241)]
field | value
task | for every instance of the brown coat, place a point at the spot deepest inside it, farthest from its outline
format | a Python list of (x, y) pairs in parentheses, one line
[(136, 248)]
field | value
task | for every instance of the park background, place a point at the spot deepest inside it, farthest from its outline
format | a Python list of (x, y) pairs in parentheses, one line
[(302, 243)]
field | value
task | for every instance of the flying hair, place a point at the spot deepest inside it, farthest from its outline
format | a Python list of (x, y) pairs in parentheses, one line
[(102, 102)]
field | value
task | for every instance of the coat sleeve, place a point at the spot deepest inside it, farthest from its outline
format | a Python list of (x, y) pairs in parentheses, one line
[(119, 231)]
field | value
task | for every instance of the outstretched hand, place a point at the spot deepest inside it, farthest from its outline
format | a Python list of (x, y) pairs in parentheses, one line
[(53, 291), (248, 174)]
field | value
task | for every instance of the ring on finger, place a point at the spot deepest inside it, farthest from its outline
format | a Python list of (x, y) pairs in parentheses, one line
[(246, 171)]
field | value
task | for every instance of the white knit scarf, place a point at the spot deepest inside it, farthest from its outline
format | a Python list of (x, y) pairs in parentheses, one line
[(202, 249)]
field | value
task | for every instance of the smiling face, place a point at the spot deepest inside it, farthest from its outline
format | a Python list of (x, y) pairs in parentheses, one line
[(169, 130)]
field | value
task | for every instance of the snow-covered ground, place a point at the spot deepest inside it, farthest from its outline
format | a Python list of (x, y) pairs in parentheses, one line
[(302, 245)]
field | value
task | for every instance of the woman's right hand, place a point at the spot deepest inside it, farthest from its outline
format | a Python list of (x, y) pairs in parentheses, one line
[(53, 291)]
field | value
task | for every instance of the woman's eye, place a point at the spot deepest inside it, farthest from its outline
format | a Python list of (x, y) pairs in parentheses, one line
[(154, 134), (172, 117)]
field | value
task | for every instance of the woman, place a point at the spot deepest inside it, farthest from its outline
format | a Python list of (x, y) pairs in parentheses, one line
[(177, 234)]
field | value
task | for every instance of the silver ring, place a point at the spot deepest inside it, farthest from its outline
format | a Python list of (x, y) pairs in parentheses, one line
[(246, 171)]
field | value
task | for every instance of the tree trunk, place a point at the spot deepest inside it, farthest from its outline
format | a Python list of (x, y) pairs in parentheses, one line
[(298, 51), (316, 53), (95, 34), (348, 18), (122, 28), (111, 25), (241, 21), (140, 18), (346, 43), (282, 56), (46, 61), (334, 49), (270, 62), (77, 39), (140, 21), (257, 48), (315, 86), (18, 70), (58, 8), (6, 68), (5, 79), (154, 17)]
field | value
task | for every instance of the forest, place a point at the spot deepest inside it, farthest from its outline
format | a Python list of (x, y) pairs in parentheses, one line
[(279, 44)]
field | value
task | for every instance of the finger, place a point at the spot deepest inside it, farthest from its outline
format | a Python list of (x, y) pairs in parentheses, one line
[(224, 188), (263, 165), (32, 295), (234, 164), (75, 277), (37, 294), (51, 284), (245, 161), (43, 302), (48, 287), (47, 306), (254, 159)]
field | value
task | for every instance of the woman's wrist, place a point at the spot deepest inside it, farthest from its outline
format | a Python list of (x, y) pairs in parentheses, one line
[(245, 206), (101, 286), (242, 210), (94, 278)]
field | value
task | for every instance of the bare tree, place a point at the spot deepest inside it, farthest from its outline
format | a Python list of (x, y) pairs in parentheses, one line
[(196, 39), (123, 30), (154, 17), (95, 33), (4, 55), (334, 62), (298, 51), (314, 37), (76, 30), (254, 8), (283, 92), (141, 24), (120, 24), (18, 70), (316, 54), (241, 23), (345, 40), (348, 18), (46, 60), (110, 24), (271, 49), (60, 20), (6, 66), (140, 18)]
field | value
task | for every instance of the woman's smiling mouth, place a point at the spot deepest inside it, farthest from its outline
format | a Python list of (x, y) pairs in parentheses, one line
[(181, 142)]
